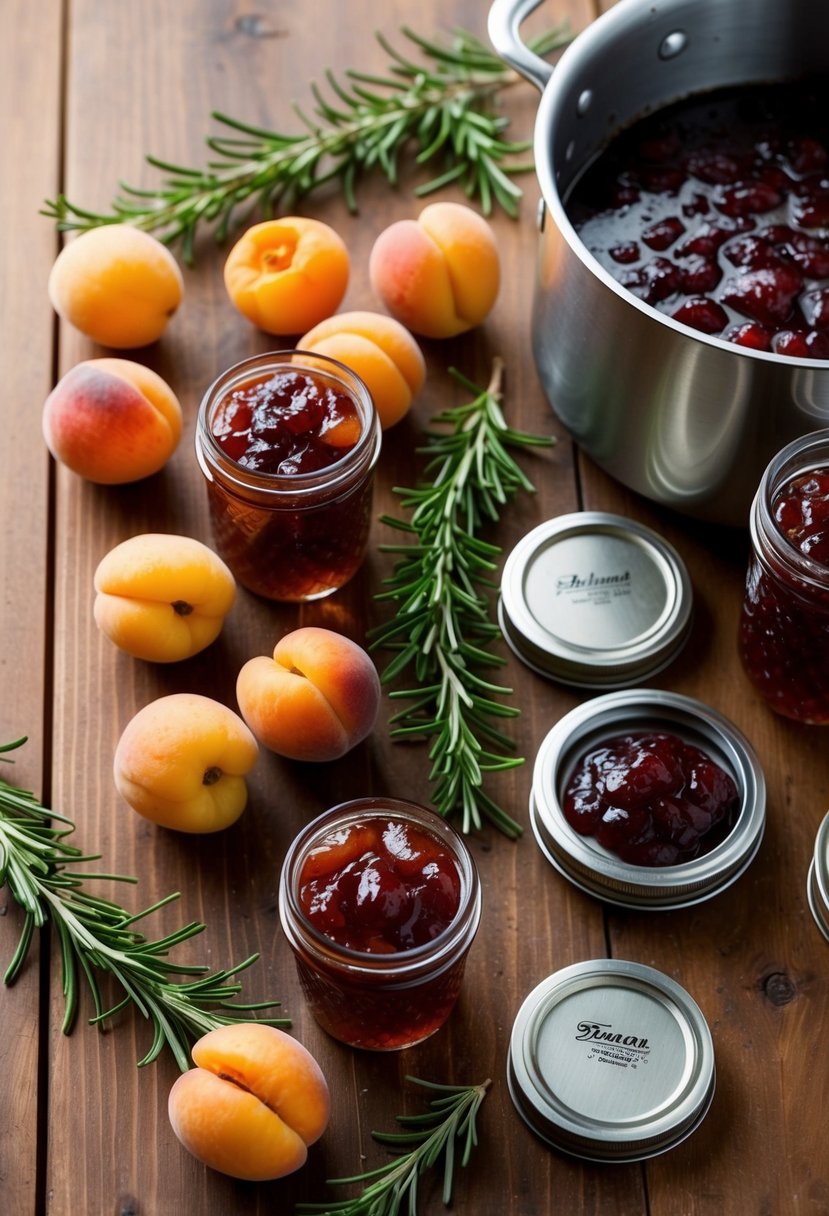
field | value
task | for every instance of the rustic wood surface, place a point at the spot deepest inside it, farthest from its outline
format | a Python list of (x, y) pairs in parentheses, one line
[(85, 90)]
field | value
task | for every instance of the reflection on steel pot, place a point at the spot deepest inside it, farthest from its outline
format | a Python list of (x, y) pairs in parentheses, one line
[(685, 419)]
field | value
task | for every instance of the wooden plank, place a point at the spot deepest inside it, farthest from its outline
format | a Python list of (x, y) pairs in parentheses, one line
[(752, 957), (30, 115)]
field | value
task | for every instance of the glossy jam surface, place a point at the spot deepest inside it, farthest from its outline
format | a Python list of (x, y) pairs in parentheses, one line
[(290, 423), (715, 210), (784, 626), (651, 798), (380, 887)]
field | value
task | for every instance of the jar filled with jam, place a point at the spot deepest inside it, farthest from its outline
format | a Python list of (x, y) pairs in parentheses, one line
[(784, 625), (288, 442), (380, 901)]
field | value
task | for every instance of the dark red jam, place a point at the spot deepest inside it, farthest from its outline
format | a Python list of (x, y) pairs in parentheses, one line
[(380, 887), (715, 210), (651, 798), (286, 423), (286, 539), (784, 625)]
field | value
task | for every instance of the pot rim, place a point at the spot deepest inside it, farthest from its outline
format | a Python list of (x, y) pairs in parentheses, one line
[(555, 92)]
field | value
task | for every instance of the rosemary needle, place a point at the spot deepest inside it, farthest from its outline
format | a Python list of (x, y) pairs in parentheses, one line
[(451, 1117), (98, 935), (442, 626), (441, 104)]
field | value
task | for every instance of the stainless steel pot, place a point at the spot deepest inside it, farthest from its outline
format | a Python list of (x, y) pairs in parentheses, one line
[(687, 420)]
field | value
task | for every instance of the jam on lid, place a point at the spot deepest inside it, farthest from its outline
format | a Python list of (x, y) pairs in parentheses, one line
[(662, 1074), (593, 868), (817, 885), (595, 600)]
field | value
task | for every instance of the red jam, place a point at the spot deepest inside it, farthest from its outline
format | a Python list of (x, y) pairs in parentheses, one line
[(289, 462), (651, 798), (380, 911), (715, 210), (784, 626), (380, 887)]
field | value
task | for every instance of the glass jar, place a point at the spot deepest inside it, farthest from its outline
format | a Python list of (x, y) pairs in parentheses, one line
[(301, 532), (784, 624), (370, 991)]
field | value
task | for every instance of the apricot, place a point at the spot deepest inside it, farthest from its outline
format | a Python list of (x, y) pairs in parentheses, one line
[(253, 1104), (380, 351), (439, 274), (112, 421), (287, 275), (181, 763), (116, 284), (317, 698), (162, 597)]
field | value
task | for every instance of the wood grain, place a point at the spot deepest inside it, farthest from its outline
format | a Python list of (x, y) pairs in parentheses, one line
[(144, 78)]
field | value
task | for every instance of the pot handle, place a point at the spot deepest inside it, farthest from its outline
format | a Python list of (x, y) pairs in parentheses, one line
[(505, 16)]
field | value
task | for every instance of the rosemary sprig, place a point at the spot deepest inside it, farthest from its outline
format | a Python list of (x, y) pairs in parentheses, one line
[(442, 625), (450, 1117), (441, 104), (98, 935)]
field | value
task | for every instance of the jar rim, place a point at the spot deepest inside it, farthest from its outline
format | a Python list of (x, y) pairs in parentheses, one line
[(799, 456), (362, 455), (404, 965)]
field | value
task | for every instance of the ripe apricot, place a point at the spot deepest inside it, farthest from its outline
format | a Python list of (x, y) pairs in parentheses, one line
[(181, 762), (253, 1104), (286, 275), (116, 284), (317, 698), (439, 274), (162, 597), (380, 351), (112, 421)]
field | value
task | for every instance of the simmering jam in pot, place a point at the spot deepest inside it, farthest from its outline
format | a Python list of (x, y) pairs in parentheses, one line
[(651, 798), (380, 902), (784, 625), (289, 452), (715, 210)]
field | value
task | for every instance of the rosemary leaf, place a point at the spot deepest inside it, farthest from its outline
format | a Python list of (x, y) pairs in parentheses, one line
[(442, 105), (440, 585), (451, 1117), (96, 935)]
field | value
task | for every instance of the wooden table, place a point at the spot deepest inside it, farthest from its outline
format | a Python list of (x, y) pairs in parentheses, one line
[(86, 90)]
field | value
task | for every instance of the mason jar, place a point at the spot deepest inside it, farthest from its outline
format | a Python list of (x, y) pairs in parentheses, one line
[(784, 622), (380, 901), (288, 442)]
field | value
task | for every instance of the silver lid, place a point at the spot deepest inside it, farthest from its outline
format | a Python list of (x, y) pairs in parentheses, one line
[(591, 867), (595, 600), (611, 1061), (817, 885)]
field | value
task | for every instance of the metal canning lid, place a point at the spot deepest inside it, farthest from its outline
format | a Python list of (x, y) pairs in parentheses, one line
[(817, 885), (595, 600), (591, 867), (611, 1061)]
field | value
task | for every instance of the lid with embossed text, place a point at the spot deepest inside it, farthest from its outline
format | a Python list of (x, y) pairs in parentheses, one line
[(611, 1061), (595, 600)]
